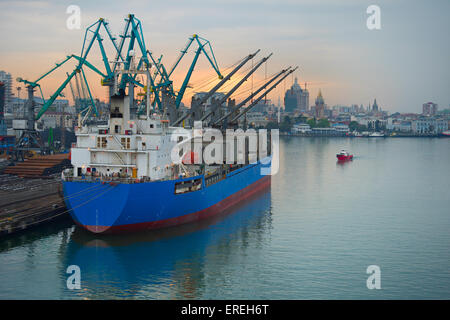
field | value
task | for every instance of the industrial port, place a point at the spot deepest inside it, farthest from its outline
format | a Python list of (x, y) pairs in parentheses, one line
[(35, 151), (37, 132)]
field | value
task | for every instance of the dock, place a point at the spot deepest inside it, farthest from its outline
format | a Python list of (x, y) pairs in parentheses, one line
[(26, 203)]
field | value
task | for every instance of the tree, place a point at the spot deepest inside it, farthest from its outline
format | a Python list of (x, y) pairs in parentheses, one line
[(323, 123), (272, 125), (312, 122), (286, 125), (287, 120), (301, 119), (353, 125), (362, 128)]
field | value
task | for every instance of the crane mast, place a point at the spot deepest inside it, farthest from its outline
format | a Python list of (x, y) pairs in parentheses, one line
[(132, 58)]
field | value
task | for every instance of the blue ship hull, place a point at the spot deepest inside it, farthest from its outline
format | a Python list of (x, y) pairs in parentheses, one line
[(130, 260), (110, 207)]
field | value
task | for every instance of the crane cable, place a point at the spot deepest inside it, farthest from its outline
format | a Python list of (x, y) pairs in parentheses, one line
[(204, 83), (74, 195)]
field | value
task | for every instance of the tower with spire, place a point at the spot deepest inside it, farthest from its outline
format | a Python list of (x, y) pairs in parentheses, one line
[(319, 108), (375, 106), (319, 99)]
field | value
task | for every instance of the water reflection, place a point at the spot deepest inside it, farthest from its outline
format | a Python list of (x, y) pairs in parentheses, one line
[(28, 237), (343, 163), (168, 263)]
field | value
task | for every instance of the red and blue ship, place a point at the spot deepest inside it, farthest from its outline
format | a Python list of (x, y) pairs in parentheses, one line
[(114, 207)]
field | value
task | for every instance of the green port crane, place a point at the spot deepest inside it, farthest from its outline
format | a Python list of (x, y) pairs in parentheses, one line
[(121, 71), (88, 42), (202, 44), (82, 61)]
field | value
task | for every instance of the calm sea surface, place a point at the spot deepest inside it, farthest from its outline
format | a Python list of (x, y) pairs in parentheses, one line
[(312, 234)]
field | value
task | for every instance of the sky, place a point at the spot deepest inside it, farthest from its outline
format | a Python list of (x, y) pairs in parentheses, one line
[(403, 65)]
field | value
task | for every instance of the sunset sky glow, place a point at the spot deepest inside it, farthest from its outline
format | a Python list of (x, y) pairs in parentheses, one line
[(403, 65)]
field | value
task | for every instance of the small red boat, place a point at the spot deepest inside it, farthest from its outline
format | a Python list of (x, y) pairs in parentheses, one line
[(344, 156)]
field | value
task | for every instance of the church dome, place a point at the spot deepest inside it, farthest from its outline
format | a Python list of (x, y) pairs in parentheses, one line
[(319, 99), (296, 86)]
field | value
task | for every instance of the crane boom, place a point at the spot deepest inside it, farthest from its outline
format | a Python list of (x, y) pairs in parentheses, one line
[(254, 103), (236, 87), (216, 87), (50, 101), (187, 78), (243, 103)]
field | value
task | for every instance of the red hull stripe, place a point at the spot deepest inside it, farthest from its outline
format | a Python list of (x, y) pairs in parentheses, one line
[(205, 213)]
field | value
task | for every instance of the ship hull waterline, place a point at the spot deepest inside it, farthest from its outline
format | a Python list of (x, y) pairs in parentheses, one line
[(101, 207)]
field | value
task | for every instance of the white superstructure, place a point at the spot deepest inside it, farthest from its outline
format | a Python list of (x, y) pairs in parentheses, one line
[(126, 148)]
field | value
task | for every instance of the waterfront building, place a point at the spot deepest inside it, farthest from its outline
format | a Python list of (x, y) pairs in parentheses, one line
[(296, 98), (341, 128), (399, 125), (326, 132), (257, 119), (343, 118), (405, 126), (376, 124), (429, 126), (301, 128), (429, 109)]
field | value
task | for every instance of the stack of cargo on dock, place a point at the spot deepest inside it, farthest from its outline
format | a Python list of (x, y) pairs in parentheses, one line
[(40, 166), (25, 202)]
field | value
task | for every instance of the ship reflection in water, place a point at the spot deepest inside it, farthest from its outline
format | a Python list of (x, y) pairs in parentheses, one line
[(170, 263)]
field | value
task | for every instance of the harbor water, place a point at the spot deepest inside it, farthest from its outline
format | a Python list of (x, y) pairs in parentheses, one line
[(311, 235)]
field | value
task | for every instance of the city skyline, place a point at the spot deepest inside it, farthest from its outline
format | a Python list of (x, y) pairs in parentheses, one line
[(403, 65)]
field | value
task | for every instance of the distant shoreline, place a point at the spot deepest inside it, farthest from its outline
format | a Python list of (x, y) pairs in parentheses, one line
[(366, 137)]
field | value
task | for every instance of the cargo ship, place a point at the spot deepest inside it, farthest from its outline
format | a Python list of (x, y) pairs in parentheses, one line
[(124, 179), (128, 174)]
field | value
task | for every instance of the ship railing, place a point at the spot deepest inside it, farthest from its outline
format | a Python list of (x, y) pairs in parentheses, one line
[(94, 179)]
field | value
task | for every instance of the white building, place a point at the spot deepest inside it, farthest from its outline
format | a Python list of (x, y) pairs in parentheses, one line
[(432, 126), (341, 127), (398, 125), (257, 119), (52, 119), (301, 128)]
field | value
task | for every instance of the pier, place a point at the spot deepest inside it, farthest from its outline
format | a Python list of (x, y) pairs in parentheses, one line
[(26, 203)]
